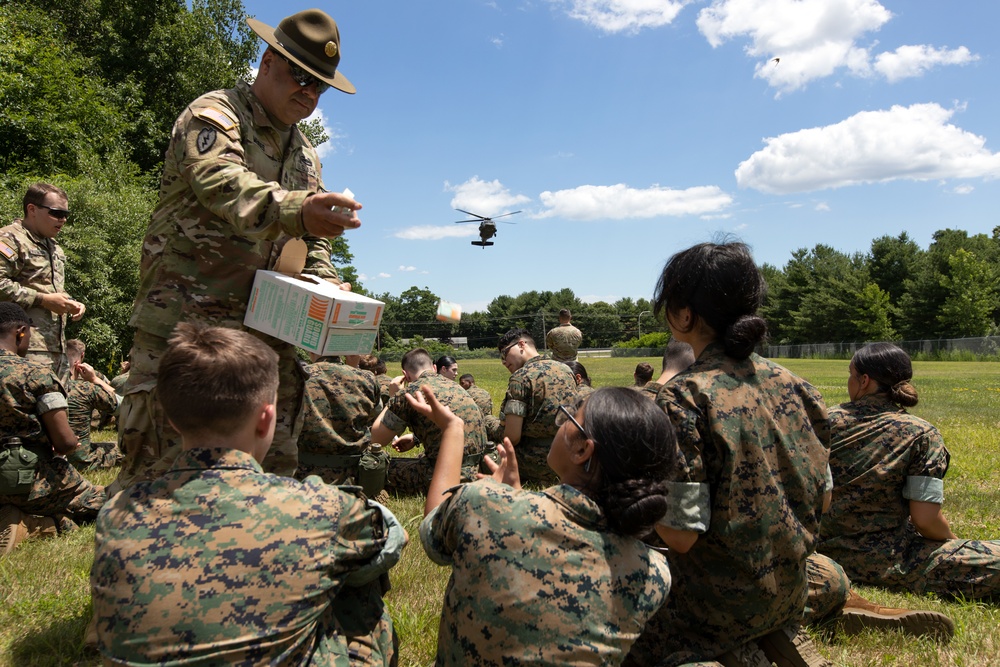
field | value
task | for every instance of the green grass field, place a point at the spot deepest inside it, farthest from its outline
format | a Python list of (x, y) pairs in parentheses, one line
[(45, 605)]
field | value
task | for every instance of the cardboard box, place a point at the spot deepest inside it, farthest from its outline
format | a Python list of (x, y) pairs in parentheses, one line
[(313, 314)]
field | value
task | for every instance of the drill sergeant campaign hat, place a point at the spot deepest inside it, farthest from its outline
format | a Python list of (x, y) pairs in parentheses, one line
[(311, 39)]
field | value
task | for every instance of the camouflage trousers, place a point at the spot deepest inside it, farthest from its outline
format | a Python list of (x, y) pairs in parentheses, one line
[(412, 477), (961, 568), (532, 462), (60, 492), (364, 621), (829, 589), (150, 444), (95, 456)]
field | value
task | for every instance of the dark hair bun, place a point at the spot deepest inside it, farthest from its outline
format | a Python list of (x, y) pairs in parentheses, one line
[(633, 506), (743, 336)]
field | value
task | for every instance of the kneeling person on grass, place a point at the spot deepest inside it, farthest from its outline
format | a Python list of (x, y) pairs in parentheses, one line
[(413, 476), (217, 562)]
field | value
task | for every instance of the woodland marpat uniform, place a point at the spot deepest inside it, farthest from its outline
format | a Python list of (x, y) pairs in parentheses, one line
[(27, 391), (754, 437), (881, 458), (31, 265), (534, 392), (230, 197), (84, 398), (340, 404), (413, 476), (537, 578), (482, 398), (217, 562)]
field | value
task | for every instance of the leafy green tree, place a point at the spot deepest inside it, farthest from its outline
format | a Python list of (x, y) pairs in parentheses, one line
[(971, 299), (874, 314), (54, 114)]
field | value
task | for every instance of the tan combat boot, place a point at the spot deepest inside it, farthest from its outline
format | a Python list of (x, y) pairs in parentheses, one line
[(860, 614), (16, 526), (792, 647)]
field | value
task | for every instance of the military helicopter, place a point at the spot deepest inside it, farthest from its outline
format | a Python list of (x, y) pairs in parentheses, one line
[(487, 226)]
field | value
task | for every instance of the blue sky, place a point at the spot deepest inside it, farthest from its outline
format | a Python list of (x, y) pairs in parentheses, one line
[(626, 130)]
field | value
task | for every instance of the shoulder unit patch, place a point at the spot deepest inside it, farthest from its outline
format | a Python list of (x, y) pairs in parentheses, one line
[(7, 251)]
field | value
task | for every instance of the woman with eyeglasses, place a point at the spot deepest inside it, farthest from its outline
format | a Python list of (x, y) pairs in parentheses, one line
[(556, 577), (885, 525)]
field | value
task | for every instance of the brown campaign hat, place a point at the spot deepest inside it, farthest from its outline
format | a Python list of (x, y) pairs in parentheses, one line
[(312, 40)]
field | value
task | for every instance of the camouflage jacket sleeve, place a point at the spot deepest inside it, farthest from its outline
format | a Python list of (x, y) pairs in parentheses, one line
[(211, 158), (11, 263), (318, 262)]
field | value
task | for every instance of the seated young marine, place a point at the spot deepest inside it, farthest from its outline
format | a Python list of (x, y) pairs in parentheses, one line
[(555, 577), (217, 562)]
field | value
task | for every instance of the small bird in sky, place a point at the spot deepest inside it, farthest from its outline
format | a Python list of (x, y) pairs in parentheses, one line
[(775, 61)]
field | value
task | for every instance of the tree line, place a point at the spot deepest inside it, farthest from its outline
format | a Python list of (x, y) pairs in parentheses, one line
[(89, 91)]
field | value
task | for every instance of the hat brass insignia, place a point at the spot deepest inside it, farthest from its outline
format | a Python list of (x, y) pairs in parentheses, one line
[(331, 49)]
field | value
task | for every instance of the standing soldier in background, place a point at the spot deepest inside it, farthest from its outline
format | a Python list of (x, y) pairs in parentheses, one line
[(564, 340), (33, 274), (239, 180)]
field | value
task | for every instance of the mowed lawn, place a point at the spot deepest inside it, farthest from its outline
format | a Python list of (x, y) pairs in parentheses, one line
[(45, 604)]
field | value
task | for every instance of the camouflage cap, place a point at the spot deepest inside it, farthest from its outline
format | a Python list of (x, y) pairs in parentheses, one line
[(310, 38)]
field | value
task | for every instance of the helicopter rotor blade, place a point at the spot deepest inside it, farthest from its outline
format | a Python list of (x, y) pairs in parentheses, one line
[(473, 220), (474, 215), (502, 216)]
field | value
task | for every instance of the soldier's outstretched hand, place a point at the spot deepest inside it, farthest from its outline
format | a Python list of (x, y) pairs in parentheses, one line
[(506, 471), (320, 218)]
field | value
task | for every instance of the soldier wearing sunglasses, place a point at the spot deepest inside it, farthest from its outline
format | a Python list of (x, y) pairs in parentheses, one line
[(33, 274), (239, 180)]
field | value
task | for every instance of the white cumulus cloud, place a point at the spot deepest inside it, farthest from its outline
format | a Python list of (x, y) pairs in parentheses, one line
[(620, 202), (407, 268), (910, 61), (614, 16), (798, 41), (963, 190), (489, 198), (914, 143), (810, 38)]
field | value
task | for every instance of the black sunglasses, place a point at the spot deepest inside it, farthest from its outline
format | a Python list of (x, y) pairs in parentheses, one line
[(304, 78), (57, 213), (564, 415)]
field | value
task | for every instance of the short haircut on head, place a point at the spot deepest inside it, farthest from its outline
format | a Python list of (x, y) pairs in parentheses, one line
[(514, 335), (677, 356), (212, 379), (37, 192), (643, 372), (76, 346), (565, 314), (416, 360), (12, 316), (369, 362), (467, 377)]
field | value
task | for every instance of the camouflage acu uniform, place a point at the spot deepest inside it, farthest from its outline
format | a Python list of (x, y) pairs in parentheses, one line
[(340, 404), (882, 458), (563, 341), (217, 562), (482, 399), (413, 476), (118, 383), (230, 197), (27, 391), (84, 398), (31, 265), (537, 578), (754, 439), (534, 392)]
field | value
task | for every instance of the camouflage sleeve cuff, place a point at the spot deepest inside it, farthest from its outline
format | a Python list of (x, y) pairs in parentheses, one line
[(392, 422), (828, 482), (515, 408), (688, 507), (290, 213), (427, 538), (51, 401), (395, 540), (924, 489)]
